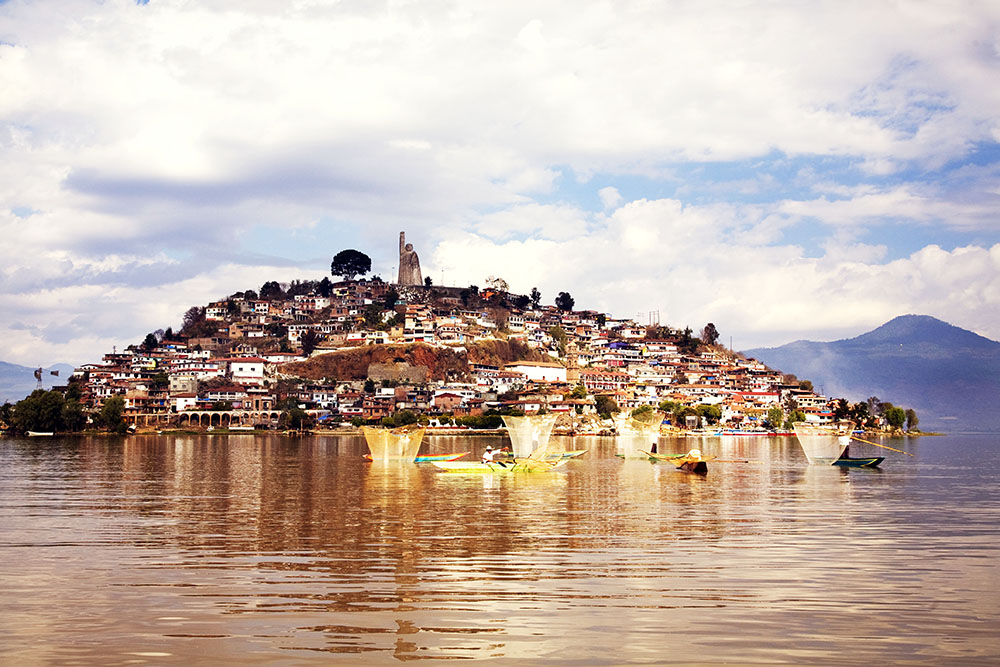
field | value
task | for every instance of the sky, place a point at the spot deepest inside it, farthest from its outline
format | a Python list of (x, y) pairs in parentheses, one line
[(784, 170)]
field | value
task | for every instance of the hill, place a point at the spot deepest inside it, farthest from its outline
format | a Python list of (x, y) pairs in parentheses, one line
[(949, 375), (439, 363), (16, 381)]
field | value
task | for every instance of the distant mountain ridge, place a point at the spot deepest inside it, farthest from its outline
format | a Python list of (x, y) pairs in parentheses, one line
[(949, 375), (16, 381)]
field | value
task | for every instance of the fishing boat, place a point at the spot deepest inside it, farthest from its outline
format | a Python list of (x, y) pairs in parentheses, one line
[(859, 462), (520, 465), (431, 457), (40, 434), (693, 461), (824, 444)]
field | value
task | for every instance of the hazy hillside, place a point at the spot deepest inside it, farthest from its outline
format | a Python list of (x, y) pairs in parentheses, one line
[(16, 382), (950, 376)]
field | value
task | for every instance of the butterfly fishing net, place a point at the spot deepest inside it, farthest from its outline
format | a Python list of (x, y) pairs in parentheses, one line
[(398, 444), (823, 444), (636, 436)]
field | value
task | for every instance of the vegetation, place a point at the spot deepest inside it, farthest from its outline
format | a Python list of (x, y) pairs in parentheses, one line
[(606, 406), (350, 263), (46, 411), (565, 302), (709, 335)]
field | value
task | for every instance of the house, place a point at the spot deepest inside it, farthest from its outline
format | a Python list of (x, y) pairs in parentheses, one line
[(539, 371)]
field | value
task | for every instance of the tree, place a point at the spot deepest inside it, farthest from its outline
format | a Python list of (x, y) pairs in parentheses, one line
[(775, 417), (324, 287), (40, 411), (841, 409), (559, 336), (193, 316), (428, 282), (710, 413), (911, 419), (497, 284), (579, 391), (895, 417), (536, 297), (688, 344), (150, 342), (390, 299), (309, 340), (350, 263), (794, 416), (709, 335), (520, 301), (606, 406), (110, 415), (565, 302), (271, 290)]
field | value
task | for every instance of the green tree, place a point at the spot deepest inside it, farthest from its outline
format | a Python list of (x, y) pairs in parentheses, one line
[(309, 340), (369, 386), (40, 411), (687, 344), (390, 299), (111, 415), (404, 417), (709, 334), (428, 282), (6, 415), (149, 343), (896, 417), (841, 409), (536, 298), (606, 406), (357, 421), (579, 391), (911, 419), (559, 336), (324, 287), (565, 302), (775, 417), (350, 263), (710, 413), (794, 416), (73, 417), (271, 291), (295, 419)]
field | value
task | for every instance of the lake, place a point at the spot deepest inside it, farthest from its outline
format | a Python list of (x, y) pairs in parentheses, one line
[(271, 549)]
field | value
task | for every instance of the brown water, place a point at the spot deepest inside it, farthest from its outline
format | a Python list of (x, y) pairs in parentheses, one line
[(274, 550)]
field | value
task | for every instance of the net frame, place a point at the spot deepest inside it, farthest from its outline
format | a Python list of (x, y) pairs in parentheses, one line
[(823, 444), (398, 444), (530, 434), (636, 435)]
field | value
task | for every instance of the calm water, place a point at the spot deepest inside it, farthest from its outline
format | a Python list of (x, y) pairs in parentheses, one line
[(266, 549)]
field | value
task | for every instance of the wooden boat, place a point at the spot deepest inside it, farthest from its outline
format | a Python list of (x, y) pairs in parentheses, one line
[(472, 467), (40, 434), (659, 457), (521, 465), (693, 461), (859, 462), (431, 457)]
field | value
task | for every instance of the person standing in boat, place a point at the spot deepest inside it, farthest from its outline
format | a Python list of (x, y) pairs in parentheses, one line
[(490, 453), (652, 448)]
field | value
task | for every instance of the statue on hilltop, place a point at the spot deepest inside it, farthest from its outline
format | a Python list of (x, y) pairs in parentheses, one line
[(409, 264)]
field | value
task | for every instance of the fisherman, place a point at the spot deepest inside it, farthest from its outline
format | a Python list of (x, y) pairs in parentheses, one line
[(652, 449), (490, 453)]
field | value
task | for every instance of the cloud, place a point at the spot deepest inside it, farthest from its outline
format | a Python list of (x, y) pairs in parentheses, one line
[(624, 151)]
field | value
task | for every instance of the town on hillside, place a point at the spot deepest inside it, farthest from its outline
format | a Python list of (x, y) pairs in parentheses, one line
[(327, 354)]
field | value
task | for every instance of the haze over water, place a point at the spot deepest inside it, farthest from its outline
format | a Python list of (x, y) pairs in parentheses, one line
[(166, 549)]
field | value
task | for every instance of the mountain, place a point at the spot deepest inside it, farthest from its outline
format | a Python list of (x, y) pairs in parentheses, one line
[(950, 376), (16, 382)]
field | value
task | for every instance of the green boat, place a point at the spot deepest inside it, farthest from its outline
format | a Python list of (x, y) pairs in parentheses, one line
[(859, 462)]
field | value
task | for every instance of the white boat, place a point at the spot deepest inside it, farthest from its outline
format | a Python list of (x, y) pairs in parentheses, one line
[(823, 444), (39, 434)]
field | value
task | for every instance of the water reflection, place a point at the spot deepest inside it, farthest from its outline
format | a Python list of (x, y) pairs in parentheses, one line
[(170, 549)]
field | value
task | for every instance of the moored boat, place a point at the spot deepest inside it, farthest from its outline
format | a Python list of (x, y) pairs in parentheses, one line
[(40, 434)]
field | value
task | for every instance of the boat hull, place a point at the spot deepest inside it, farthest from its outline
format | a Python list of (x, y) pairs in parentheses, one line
[(431, 457), (859, 462)]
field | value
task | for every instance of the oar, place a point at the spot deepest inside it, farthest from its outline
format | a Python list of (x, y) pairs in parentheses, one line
[(869, 442)]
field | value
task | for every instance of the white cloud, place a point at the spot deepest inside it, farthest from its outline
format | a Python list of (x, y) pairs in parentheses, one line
[(168, 143)]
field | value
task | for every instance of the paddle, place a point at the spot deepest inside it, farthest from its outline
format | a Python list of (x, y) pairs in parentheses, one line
[(868, 442)]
